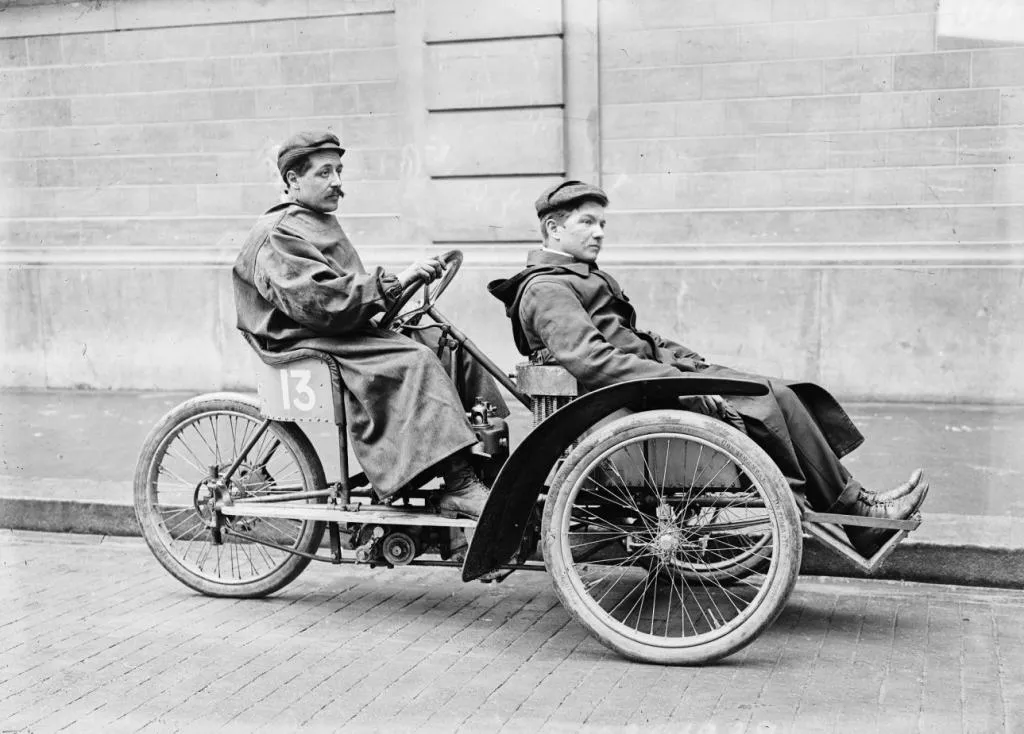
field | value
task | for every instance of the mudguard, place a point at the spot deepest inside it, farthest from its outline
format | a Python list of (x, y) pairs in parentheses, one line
[(521, 479)]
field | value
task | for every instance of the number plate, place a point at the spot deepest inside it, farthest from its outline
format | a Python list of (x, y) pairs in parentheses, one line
[(298, 391)]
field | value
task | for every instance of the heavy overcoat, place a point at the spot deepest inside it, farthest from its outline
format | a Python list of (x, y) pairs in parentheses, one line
[(576, 315), (299, 283)]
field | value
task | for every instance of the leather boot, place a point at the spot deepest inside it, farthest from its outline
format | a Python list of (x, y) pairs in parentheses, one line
[(464, 494), (867, 541), (896, 492)]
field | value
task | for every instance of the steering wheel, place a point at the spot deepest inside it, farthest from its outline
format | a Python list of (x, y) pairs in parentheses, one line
[(451, 261)]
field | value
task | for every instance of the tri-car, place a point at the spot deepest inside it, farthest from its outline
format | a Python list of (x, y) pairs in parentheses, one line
[(671, 536)]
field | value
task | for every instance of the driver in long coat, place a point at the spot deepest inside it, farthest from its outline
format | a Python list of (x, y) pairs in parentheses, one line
[(566, 310), (299, 283)]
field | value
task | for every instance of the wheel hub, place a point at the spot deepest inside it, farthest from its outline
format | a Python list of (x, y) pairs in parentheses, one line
[(203, 499), (670, 537), (666, 545)]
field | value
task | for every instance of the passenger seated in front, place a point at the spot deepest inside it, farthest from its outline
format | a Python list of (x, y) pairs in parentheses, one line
[(566, 310)]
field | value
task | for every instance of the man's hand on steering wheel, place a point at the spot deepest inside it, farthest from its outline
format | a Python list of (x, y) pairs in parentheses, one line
[(418, 276), (427, 270)]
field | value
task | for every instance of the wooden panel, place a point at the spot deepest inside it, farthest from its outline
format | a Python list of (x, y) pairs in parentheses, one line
[(495, 74), (487, 210), (449, 20), (495, 142)]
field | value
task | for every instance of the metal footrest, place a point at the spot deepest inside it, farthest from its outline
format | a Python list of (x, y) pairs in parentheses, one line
[(372, 515), (911, 523), (824, 527)]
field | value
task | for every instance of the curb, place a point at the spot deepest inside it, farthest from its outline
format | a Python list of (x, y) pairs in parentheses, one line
[(960, 564), (68, 516)]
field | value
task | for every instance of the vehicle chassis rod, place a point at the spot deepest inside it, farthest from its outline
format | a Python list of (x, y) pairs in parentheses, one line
[(284, 496), (535, 566)]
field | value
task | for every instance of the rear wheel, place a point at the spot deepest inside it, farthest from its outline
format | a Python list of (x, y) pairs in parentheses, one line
[(193, 442), (672, 537)]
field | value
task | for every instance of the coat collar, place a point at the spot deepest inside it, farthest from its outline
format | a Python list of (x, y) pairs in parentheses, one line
[(544, 256)]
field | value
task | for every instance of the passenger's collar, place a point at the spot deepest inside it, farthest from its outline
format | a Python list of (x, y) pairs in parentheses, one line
[(547, 256), (557, 253)]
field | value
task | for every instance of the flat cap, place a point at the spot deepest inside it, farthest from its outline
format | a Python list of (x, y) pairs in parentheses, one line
[(566, 193), (304, 143)]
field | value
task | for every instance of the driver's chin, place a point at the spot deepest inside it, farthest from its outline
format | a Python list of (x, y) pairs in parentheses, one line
[(328, 204)]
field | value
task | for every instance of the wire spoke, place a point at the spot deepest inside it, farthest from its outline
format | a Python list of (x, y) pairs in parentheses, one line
[(696, 569), (202, 471), (273, 467)]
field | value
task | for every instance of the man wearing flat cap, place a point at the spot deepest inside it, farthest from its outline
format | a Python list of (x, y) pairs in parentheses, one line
[(566, 310), (299, 283)]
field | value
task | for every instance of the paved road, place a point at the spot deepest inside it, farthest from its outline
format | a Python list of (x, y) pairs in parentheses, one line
[(96, 637)]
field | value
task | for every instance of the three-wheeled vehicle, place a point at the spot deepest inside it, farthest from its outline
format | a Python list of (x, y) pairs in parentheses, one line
[(669, 535)]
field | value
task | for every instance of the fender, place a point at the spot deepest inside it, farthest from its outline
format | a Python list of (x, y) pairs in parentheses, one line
[(519, 483)]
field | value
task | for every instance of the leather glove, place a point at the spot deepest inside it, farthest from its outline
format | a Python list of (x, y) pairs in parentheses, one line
[(714, 406), (703, 404)]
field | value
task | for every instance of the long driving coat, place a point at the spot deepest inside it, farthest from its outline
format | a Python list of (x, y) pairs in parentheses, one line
[(299, 283), (576, 314)]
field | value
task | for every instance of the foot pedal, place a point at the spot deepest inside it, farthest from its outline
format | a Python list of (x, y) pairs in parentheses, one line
[(497, 575)]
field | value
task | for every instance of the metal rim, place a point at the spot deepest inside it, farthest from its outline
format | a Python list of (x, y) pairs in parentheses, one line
[(179, 495), (656, 541)]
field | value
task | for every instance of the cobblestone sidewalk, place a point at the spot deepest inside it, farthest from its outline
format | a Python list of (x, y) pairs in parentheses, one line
[(96, 637)]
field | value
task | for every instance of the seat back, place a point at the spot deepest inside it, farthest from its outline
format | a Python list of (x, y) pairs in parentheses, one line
[(548, 385), (298, 385), (298, 391)]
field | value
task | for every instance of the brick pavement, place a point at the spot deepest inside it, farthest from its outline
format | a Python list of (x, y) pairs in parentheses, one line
[(95, 636)]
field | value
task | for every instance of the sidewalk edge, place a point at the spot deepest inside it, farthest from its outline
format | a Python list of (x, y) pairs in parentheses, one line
[(960, 564)]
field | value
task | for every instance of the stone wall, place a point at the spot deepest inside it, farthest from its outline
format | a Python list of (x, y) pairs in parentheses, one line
[(833, 187), (136, 152), (821, 189)]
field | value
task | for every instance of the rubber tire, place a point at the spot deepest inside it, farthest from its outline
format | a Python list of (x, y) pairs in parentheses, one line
[(312, 475), (782, 573)]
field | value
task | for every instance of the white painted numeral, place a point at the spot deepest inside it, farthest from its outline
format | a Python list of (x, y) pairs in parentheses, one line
[(305, 398)]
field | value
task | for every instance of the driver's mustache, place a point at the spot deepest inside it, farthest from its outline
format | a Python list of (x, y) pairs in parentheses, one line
[(338, 191)]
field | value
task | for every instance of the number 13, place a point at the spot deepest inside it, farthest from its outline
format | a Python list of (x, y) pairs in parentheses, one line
[(305, 398)]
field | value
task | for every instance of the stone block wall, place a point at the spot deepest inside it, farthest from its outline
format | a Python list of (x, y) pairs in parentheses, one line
[(834, 187), (136, 151), (823, 189)]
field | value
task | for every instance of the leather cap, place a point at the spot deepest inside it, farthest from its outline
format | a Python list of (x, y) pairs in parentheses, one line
[(566, 193), (304, 143)]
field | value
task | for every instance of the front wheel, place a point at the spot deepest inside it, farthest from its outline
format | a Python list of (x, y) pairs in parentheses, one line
[(672, 537), (201, 438)]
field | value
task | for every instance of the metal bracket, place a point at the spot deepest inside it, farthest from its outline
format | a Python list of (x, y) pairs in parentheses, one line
[(831, 518), (833, 538), (335, 536)]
